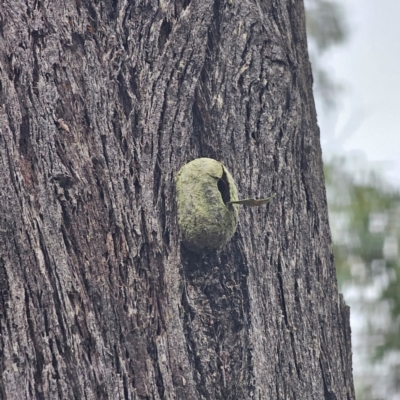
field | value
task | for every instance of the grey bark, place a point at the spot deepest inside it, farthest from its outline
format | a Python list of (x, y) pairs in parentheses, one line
[(101, 103)]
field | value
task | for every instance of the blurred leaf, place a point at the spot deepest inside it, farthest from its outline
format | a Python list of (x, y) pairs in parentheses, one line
[(325, 23), (326, 26)]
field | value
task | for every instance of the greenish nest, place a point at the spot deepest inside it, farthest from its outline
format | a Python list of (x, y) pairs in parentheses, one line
[(204, 187)]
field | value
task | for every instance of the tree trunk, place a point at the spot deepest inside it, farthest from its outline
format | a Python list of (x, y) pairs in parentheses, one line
[(101, 104)]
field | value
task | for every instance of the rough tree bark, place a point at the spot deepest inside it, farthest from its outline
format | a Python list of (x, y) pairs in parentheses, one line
[(101, 103)]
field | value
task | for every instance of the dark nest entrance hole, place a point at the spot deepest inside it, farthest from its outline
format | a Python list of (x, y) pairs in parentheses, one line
[(223, 187)]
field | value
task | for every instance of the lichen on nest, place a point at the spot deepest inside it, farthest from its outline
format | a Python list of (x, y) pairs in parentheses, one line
[(206, 219)]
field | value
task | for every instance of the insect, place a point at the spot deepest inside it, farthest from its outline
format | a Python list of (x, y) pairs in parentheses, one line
[(252, 202)]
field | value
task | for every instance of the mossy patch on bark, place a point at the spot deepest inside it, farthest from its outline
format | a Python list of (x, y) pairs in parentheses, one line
[(206, 220)]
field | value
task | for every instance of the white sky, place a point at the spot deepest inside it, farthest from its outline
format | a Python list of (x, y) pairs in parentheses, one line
[(367, 119)]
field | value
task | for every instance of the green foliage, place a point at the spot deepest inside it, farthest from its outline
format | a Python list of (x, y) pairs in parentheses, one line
[(364, 214), (364, 219)]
